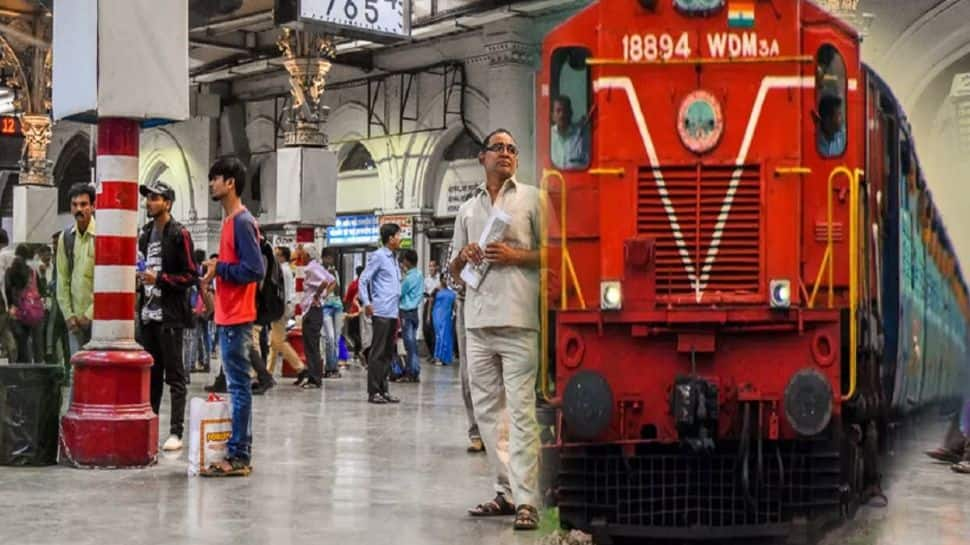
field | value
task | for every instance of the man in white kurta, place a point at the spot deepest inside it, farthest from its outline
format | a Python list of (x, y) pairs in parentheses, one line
[(502, 322)]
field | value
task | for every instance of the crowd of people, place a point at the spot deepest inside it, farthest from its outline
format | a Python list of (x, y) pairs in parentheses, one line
[(241, 301)]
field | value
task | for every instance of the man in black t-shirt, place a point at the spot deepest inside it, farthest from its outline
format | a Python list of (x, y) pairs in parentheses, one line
[(170, 272)]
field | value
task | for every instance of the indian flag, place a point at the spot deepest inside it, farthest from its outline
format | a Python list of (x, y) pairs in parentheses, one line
[(741, 15)]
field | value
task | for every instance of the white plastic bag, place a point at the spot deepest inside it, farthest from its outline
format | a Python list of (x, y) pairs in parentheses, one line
[(210, 426)]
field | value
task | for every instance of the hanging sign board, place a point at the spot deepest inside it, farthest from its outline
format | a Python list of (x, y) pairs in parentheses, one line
[(375, 20), (354, 231), (406, 225)]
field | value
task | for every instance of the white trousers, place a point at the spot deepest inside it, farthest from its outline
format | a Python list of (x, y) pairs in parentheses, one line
[(502, 365)]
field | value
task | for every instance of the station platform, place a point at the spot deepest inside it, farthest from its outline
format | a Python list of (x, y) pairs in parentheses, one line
[(928, 503), (331, 468), (328, 468)]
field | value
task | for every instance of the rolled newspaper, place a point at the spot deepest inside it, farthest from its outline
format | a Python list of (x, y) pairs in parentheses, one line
[(494, 231)]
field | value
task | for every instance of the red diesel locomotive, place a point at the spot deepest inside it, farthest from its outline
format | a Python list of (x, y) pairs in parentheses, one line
[(747, 278)]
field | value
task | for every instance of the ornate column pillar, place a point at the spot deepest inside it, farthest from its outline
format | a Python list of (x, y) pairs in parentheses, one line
[(26, 57), (306, 57), (513, 56), (306, 171)]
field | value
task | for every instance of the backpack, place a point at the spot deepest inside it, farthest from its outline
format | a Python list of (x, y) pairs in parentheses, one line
[(30, 308), (271, 292)]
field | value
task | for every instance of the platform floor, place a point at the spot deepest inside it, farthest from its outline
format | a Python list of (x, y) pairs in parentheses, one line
[(331, 468), (928, 503), (328, 468)]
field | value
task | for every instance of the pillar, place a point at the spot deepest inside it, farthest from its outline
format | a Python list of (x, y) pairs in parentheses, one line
[(512, 57), (105, 71), (110, 422)]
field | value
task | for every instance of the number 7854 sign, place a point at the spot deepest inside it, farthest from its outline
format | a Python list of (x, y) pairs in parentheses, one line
[(370, 19)]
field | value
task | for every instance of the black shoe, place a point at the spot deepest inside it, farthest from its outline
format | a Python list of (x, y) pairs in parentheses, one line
[(331, 374), (389, 398), (260, 388), (302, 377), (216, 388), (376, 399), (312, 384)]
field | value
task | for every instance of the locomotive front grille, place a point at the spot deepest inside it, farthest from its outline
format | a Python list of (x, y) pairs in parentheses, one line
[(681, 207), (662, 491)]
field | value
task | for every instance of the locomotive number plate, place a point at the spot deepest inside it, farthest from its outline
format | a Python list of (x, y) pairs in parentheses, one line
[(652, 47), (666, 46)]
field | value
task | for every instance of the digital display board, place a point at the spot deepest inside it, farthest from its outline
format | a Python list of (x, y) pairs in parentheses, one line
[(10, 126)]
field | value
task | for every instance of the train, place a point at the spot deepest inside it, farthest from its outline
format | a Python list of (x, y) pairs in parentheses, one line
[(747, 283)]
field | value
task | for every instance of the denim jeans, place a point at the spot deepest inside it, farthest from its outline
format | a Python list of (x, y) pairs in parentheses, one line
[(234, 345), (330, 339), (409, 330), (205, 342), (190, 351)]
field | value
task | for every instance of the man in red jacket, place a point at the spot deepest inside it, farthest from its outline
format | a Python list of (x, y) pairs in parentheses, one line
[(239, 267)]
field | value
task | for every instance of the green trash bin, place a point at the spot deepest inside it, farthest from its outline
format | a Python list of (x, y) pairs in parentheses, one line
[(30, 407)]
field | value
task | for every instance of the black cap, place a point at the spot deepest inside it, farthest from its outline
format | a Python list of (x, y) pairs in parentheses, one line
[(157, 187)]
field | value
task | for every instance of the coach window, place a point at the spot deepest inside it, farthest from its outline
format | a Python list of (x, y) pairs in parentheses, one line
[(569, 137), (830, 134)]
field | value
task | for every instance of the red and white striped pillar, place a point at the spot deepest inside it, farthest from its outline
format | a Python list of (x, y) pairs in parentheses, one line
[(116, 244), (110, 422), (304, 235)]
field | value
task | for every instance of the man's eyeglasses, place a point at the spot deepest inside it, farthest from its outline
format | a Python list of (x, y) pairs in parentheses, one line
[(502, 148)]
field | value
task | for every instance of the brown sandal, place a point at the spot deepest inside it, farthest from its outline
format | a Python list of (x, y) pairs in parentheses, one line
[(526, 518), (944, 455), (499, 507), (228, 468)]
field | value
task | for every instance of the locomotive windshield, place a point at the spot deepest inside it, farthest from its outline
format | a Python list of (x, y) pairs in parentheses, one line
[(698, 7), (569, 138), (830, 102)]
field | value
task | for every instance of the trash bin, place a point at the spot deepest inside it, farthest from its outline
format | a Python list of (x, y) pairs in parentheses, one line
[(295, 338), (30, 406)]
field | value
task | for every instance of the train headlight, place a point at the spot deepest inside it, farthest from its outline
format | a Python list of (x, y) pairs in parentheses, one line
[(780, 293), (808, 402), (611, 295)]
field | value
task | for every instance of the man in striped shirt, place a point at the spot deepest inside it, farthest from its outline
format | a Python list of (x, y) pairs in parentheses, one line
[(239, 267)]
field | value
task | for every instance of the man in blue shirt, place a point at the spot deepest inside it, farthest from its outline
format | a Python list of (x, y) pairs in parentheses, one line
[(380, 292), (412, 291), (830, 130)]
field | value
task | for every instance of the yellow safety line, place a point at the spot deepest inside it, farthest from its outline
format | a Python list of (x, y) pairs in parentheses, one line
[(572, 275), (607, 171), (703, 60), (818, 277), (782, 171)]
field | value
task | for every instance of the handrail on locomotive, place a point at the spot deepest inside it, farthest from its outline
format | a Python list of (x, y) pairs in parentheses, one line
[(565, 265), (828, 264)]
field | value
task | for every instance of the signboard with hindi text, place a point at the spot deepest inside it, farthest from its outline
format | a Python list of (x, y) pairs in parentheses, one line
[(360, 230)]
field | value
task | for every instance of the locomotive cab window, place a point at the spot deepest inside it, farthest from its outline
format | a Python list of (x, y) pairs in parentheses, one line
[(830, 84), (569, 135)]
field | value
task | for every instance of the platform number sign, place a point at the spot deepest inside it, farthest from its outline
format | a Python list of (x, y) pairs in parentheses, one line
[(9, 126), (370, 19)]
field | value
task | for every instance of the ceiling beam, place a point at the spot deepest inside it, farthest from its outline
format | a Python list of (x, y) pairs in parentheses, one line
[(197, 42)]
